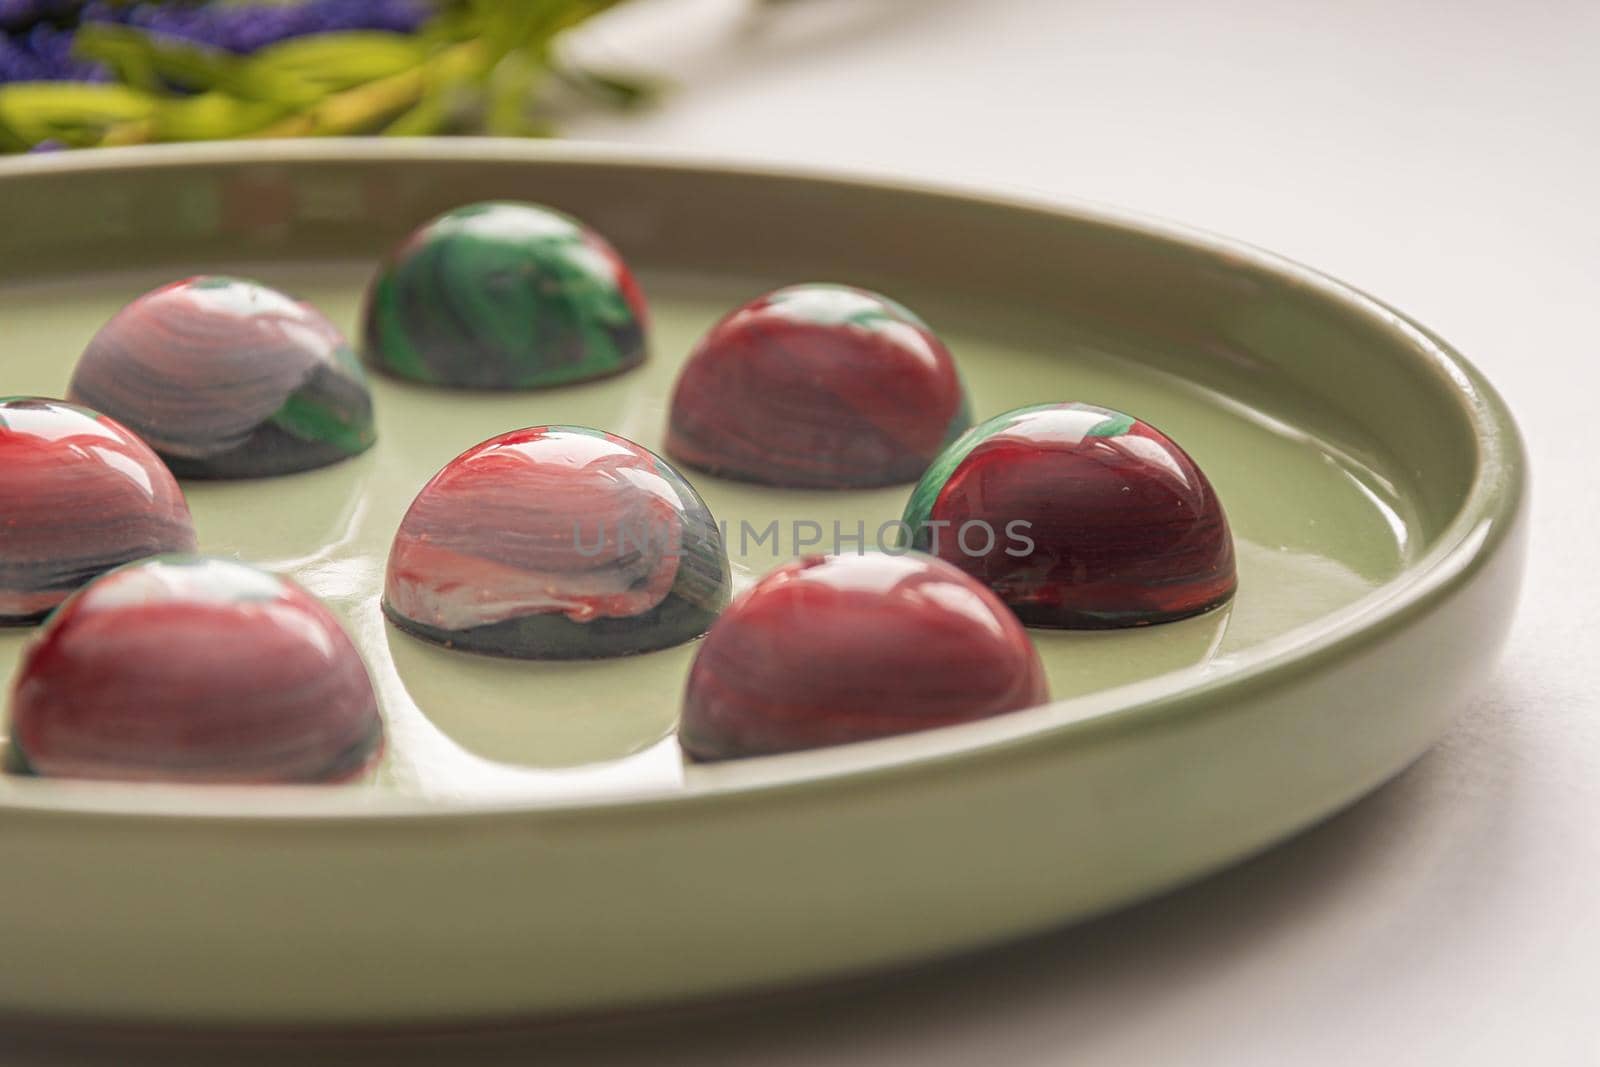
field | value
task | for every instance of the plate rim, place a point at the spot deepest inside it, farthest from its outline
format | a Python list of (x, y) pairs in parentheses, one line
[(1494, 502)]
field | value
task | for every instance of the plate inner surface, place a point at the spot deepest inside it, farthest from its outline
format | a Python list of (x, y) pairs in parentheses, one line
[(1314, 528)]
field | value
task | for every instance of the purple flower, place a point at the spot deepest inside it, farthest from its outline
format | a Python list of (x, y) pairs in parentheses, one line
[(33, 47), (20, 14), (44, 53), (247, 27)]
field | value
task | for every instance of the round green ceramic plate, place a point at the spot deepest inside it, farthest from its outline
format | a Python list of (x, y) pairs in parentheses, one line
[(534, 842)]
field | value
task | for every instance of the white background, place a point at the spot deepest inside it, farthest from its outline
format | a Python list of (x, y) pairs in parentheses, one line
[(1443, 155)]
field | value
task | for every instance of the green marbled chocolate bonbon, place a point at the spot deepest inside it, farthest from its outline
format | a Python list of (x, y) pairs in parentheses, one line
[(504, 296)]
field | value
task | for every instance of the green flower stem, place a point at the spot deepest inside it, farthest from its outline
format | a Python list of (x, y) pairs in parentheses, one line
[(367, 106), (486, 63)]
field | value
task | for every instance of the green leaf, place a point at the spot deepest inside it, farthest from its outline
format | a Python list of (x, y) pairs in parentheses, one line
[(152, 61), (297, 72), (511, 96), (11, 140), (507, 27), (213, 116), (427, 117), (614, 90), (449, 96), (73, 112), (308, 68)]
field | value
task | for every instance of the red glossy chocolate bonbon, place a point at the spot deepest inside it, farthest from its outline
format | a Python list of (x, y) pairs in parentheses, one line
[(189, 669), (1078, 517), (831, 649), (79, 495), (817, 386)]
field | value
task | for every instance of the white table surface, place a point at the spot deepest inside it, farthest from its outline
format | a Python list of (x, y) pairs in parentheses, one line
[(1444, 155)]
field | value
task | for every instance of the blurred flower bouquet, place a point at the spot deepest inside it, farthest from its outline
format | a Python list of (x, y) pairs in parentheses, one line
[(79, 73)]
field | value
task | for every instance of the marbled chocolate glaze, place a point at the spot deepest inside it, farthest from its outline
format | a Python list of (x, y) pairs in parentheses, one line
[(819, 386), (830, 649), (557, 542), (79, 495), (229, 379), (1125, 530), (187, 669), (504, 296)]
